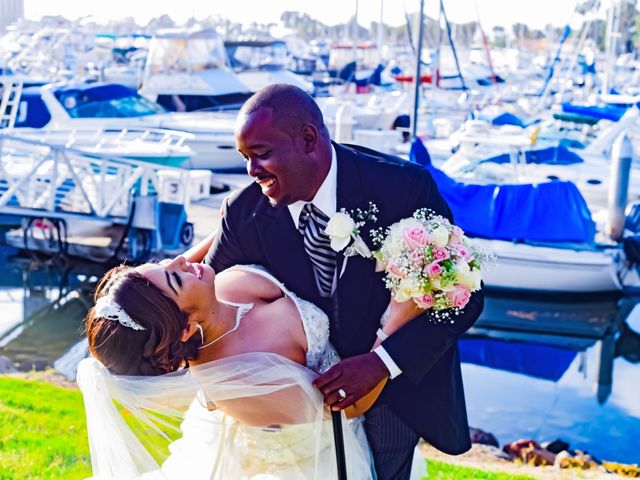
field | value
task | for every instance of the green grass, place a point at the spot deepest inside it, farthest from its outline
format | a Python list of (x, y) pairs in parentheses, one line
[(43, 432), (43, 436), (444, 471)]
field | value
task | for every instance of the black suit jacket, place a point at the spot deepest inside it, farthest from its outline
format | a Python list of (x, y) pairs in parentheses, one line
[(428, 395)]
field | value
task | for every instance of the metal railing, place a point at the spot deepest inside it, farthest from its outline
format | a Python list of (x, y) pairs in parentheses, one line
[(42, 179)]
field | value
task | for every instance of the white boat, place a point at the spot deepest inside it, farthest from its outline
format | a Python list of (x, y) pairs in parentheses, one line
[(188, 70), (543, 235), (512, 154), (260, 63), (83, 114)]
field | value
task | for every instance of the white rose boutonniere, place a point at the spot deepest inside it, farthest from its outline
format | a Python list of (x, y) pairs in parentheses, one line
[(343, 230), (340, 228)]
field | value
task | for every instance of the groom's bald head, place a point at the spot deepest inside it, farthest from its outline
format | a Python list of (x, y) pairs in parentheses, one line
[(291, 108)]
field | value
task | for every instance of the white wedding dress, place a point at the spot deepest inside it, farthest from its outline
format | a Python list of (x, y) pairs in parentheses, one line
[(182, 425)]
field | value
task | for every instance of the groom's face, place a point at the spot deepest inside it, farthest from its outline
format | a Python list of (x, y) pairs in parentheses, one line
[(278, 161)]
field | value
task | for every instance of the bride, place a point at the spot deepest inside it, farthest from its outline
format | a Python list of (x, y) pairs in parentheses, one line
[(244, 409)]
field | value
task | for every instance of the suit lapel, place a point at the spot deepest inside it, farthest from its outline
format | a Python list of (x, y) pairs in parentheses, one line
[(354, 287), (283, 248)]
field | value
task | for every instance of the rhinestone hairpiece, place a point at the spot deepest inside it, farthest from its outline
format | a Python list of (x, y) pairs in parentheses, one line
[(107, 308)]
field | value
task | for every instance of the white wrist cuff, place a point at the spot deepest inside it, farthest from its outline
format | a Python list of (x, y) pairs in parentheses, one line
[(393, 368), (381, 335)]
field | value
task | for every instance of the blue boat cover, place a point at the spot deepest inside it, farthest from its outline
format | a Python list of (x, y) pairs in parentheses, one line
[(32, 111), (506, 118), (544, 212), (536, 360), (94, 92), (549, 156), (606, 112)]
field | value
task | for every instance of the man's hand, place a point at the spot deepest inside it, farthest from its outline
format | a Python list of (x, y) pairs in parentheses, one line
[(356, 376)]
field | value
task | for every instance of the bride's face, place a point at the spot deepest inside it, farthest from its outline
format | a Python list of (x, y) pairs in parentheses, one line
[(190, 285)]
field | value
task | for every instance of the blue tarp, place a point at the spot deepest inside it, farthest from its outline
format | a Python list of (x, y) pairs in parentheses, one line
[(536, 360), (545, 212), (606, 112), (548, 156)]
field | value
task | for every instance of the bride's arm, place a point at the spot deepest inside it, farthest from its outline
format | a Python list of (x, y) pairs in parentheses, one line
[(396, 316)]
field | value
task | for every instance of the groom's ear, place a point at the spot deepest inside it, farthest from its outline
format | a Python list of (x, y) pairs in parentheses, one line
[(309, 136)]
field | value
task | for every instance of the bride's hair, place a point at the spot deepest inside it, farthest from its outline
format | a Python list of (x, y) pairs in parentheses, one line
[(153, 349)]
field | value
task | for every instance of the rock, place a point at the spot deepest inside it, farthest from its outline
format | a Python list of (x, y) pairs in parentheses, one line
[(556, 446), (514, 448), (580, 460), (6, 365), (631, 471), (530, 453), (482, 437)]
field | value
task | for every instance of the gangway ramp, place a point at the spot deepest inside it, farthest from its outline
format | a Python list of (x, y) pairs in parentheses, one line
[(39, 180)]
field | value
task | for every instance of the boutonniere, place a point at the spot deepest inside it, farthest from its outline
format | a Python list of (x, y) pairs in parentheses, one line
[(343, 230)]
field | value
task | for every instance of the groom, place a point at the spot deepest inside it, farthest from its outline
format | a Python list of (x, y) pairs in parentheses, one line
[(283, 138)]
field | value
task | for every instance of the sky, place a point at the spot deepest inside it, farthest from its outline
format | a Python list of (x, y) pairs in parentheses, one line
[(535, 13)]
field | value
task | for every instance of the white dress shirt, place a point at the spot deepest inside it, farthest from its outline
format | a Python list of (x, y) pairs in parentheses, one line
[(326, 199)]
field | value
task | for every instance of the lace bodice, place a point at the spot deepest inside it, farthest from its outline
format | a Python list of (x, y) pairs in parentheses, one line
[(320, 353)]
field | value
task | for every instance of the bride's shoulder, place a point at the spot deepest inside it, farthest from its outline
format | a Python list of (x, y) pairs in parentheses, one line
[(246, 286)]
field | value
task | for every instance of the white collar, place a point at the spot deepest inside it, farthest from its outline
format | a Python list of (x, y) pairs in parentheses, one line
[(326, 196)]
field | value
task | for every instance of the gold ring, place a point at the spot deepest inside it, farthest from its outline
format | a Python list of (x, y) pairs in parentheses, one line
[(342, 393)]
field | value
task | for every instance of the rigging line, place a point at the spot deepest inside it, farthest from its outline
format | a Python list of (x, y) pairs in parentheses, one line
[(485, 44), (452, 44)]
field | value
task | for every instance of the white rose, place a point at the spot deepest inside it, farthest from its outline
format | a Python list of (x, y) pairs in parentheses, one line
[(402, 296), (440, 237), (409, 288), (339, 228), (470, 279)]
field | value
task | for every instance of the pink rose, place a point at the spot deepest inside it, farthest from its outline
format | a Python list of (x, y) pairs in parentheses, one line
[(415, 238), (459, 296), (440, 254), (433, 269), (424, 301), (463, 252), (394, 269)]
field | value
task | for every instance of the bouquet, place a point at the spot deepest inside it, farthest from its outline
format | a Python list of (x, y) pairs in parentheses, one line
[(430, 261)]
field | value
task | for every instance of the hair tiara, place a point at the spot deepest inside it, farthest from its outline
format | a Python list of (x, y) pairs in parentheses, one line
[(106, 307)]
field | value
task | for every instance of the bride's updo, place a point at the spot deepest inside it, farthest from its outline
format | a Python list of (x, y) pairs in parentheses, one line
[(148, 341)]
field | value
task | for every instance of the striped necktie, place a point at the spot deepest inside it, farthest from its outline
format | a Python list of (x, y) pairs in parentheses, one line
[(318, 246)]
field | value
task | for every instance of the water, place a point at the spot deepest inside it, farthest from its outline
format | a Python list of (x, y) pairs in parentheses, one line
[(541, 368)]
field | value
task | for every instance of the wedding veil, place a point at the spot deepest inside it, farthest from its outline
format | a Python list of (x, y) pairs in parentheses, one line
[(250, 416)]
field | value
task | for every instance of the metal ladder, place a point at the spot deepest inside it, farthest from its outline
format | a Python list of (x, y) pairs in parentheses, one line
[(11, 92)]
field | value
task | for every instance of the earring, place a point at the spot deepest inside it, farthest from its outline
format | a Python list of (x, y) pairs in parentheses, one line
[(199, 327)]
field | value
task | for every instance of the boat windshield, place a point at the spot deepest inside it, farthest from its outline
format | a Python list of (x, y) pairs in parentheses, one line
[(257, 55), (121, 107)]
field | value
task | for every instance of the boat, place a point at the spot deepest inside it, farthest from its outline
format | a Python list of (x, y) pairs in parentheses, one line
[(544, 236), (82, 114), (189, 70), (260, 63)]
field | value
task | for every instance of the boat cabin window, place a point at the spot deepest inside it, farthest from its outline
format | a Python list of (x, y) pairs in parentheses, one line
[(104, 102)]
